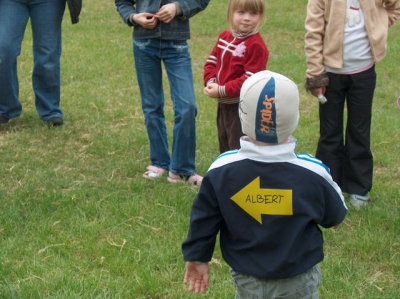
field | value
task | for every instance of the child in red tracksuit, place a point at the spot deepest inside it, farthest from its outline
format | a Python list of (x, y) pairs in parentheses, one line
[(239, 53)]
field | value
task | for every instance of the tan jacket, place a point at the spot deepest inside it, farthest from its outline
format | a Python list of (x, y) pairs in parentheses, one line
[(325, 23)]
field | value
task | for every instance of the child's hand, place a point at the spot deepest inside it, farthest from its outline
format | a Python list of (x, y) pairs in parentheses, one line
[(197, 274), (211, 90), (166, 12), (317, 91), (145, 19)]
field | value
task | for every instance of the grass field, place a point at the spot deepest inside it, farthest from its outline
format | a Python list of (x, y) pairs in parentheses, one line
[(77, 220)]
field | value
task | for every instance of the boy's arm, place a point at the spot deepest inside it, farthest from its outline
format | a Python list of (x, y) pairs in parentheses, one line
[(335, 208), (197, 275), (205, 222), (330, 208), (335, 212)]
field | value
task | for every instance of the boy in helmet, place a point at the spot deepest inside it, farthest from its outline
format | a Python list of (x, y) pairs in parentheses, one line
[(266, 201)]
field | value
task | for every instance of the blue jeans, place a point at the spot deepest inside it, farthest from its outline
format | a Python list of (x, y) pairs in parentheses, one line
[(149, 55), (302, 286), (46, 17)]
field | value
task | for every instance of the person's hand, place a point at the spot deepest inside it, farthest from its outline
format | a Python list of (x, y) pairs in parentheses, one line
[(211, 90), (318, 91), (197, 276), (145, 19), (166, 12)]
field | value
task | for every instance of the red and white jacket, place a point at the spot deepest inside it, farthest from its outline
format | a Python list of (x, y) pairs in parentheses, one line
[(234, 58)]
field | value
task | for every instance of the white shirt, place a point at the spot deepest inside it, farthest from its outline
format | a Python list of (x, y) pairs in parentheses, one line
[(357, 55)]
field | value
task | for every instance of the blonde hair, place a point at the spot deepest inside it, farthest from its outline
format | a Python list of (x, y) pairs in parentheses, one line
[(253, 6)]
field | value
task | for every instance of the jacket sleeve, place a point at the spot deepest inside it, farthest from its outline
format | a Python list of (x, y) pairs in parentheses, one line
[(210, 67), (334, 208), (191, 8), (393, 9), (256, 58), (205, 222), (315, 32), (125, 9)]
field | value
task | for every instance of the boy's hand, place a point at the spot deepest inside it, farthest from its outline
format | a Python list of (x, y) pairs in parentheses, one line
[(166, 12), (197, 275)]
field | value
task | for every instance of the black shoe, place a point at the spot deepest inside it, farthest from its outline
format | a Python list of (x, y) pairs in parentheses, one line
[(55, 121), (3, 119)]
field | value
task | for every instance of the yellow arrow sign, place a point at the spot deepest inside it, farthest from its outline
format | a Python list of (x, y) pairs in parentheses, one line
[(256, 201)]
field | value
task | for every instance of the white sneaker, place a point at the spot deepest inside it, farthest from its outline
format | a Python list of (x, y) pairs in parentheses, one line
[(359, 200)]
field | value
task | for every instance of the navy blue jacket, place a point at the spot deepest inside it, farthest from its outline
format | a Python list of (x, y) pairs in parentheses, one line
[(177, 29), (267, 203)]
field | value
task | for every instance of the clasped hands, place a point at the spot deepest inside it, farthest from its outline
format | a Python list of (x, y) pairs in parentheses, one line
[(149, 20)]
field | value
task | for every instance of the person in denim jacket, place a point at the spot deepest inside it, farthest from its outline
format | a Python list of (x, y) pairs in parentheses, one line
[(161, 31)]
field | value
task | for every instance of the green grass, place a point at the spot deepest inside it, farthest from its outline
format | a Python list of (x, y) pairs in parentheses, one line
[(77, 220)]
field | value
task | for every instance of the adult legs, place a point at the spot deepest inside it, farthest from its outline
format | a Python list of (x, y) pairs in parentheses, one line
[(13, 20), (177, 62), (149, 76), (46, 19)]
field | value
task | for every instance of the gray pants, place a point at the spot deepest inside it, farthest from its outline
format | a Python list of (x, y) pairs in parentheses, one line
[(302, 286)]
